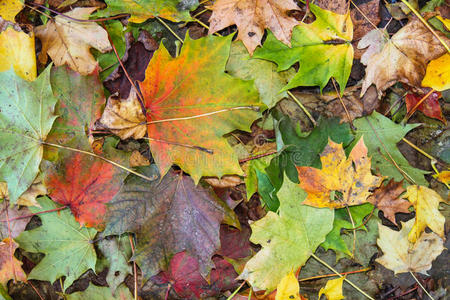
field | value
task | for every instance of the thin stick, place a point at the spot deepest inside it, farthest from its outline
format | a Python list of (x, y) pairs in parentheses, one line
[(102, 158), (332, 275), (204, 25), (134, 269), (364, 15), (241, 161), (34, 214), (209, 151), (363, 223), (36, 290), (354, 231), (303, 108), (413, 110), (337, 273), (236, 291), (170, 29), (342, 102), (419, 150), (423, 288)]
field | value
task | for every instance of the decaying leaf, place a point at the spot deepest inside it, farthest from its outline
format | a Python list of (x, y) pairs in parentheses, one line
[(28, 198), (15, 227), (10, 267), (252, 17), (17, 51), (333, 289), (364, 23), (288, 288), (437, 75), (374, 41), (350, 177), (401, 255), (403, 58), (101, 293), (224, 182), (426, 203), (68, 42), (387, 198), (430, 106), (138, 160), (10, 8)]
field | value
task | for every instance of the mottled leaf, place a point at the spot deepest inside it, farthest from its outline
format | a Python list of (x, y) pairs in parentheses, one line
[(101, 293), (10, 266)]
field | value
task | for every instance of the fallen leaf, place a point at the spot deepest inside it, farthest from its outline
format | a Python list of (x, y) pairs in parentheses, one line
[(209, 104), (168, 215), (10, 8), (28, 198), (138, 160), (68, 248), (404, 57), (443, 177), (101, 293), (387, 198), (333, 289), (252, 17), (426, 203), (323, 49), (364, 23), (172, 10), (437, 75), (288, 239), (400, 255), (68, 42), (10, 267), (124, 117), (430, 106), (17, 51), (15, 227), (22, 128), (351, 177), (224, 182), (374, 41), (288, 288)]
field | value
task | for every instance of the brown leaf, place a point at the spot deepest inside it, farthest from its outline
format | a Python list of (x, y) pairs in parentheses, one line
[(252, 17), (360, 24), (337, 6), (387, 199), (10, 267), (224, 182), (28, 198), (138, 160), (404, 57), (15, 226)]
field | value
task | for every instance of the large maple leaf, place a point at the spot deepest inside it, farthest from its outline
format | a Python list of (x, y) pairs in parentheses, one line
[(252, 17), (351, 177), (168, 216), (191, 101), (323, 49), (26, 117)]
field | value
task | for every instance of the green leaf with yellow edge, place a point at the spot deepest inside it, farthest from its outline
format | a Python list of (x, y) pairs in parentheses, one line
[(323, 49), (381, 136), (10, 8), (333, 289), (173, 10), (437, 75), (288, 239), (17, 50), (288, 288), (190, 100), (26, 117), (68, 248), (94, 292)]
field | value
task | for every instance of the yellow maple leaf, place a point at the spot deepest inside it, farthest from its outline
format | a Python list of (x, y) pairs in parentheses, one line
[(10, 8), (426, 203), (437, 75), (350, 177), (333, 289), (288, 288), (443, 177), (17, 50)]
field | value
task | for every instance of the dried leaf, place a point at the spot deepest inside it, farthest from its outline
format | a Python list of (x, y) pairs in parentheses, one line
[(224, 182), (10, 267), (138, 160), (364, 23), (430, 106), (15, 227), (374, 41), (333, 289), (28, 198), (438, 73)]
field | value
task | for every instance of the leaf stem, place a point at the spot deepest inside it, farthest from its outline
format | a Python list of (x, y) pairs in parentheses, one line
[(343, 104), (332, 275), (134, 269), (354, 230), (236, 291), (337, 273), (209, 151), (34, 214), (303, 108), (241, 161), (170, 29), (423, 288)]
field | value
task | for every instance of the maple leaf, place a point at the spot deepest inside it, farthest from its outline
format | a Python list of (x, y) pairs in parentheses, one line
[(387, 198), (426, 203), (288, 239), (173, 10), (333, 289), (374, 41), (403, 58), (288, 288), (314, 46), (10, 267), (69, 250), (437, 75), (400, 255), (28, 198), (15, 227), (101, 292), (67, 41), (26, 117), (252, 17), (381, 136), (169, 215), (191, 101), (17, 50), (10, 8), (430, 106), (351, 177)]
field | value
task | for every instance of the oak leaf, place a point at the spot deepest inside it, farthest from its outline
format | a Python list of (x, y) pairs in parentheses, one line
[(191, 103), (288, 288), (252, 17), (351, 177), (10, 8), (387, 198), (437, 75), (430, 106), (10, 267), (426, 203), (403, 58), (333, 289), (401, 255), (68, 42)]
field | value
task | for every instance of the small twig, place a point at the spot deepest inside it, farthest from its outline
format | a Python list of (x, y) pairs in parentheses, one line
[(236, 291), (342, 103), (209, 151), (241, 161), (36, 290), (303, 108), (170, 29), (363, 223), (134, 268), (423, 288), (354, 231), (34, 214), (333, 275)]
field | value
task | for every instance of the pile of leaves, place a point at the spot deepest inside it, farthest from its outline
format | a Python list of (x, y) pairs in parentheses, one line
[(224, 149)]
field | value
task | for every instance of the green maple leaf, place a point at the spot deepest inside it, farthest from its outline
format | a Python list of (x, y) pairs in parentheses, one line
[(94, 292), (288, 239), (26, 117), (381, 136), (323, 49), (69, 250), (173, 10)]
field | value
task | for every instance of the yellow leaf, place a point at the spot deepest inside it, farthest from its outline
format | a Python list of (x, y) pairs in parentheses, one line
[(333, 289), (438, 73), (17, 50), (10, 8), (400, 255), (288, 288), (426, 203), (443, 177), (446, 22), (351, 177)]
